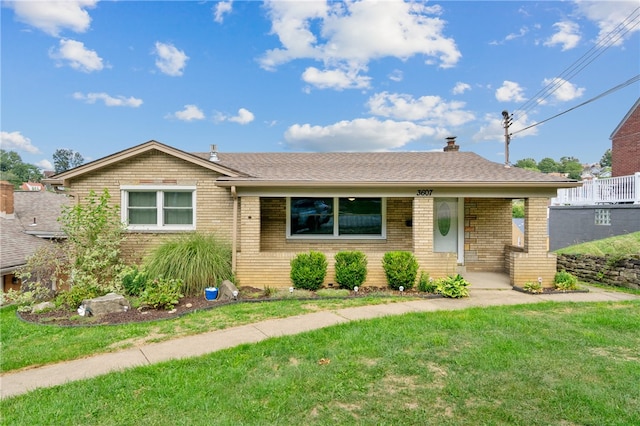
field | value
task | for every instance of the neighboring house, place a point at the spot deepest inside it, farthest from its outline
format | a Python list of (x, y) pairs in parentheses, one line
[(32, 186), (625, 144), (451, 209), (604, 207), (27, 220)]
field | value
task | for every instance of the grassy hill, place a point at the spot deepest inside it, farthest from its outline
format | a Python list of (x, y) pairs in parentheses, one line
[(622, 245)]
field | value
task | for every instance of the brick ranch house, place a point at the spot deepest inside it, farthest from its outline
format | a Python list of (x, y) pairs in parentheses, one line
[(452, 209)]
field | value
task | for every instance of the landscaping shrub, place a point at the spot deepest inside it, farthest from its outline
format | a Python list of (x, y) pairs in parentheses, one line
[(308, 270), (563, 280), (94, 232), (198, 260), (351, 268), (453, 287), (73, 297), (134, 280), (532, 287), (162, 293), (400, 268), (426, 284)]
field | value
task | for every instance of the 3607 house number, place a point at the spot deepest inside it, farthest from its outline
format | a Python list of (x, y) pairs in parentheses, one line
[(424, 192)]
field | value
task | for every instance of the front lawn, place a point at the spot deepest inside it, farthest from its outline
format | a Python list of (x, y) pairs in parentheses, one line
[(29, 345), (542, 364)]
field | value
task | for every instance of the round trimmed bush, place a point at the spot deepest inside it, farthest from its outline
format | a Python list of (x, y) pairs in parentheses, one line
[(308, 270), (400, 268), (351, 268)]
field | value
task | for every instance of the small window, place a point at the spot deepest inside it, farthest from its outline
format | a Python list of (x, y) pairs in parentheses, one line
[(603, 217), (335, 217), (149, 208)]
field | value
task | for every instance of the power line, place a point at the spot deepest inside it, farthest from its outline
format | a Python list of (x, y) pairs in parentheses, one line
[(628, 24), (603, 94)]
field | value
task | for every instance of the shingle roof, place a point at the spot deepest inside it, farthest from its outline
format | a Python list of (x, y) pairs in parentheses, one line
[(19, 234), (378, 167)]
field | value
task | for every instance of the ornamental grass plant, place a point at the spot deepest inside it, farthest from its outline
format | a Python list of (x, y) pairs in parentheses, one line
[(199, 260)]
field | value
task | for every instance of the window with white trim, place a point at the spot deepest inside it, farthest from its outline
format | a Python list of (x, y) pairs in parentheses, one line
[(336, 217), (158, 208), (602, 217)]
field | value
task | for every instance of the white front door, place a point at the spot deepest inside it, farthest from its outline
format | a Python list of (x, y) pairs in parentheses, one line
[(446, 224)]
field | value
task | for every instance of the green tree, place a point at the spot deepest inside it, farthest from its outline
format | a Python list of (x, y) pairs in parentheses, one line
[(65, 159), (527, 163), (14, 170), (94, 232), (605, 161), (571, 166), (548, 165)]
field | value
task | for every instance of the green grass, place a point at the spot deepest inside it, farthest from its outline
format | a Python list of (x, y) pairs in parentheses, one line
[(28, 345), (621, 245), (543, 364)]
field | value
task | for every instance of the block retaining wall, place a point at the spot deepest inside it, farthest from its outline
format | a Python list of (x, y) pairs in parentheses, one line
[(623, 272)]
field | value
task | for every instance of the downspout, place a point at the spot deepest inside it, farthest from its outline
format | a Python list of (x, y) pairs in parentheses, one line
[(234, 236)]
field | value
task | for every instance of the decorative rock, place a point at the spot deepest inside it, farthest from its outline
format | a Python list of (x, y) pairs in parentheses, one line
[(42, 307), (225, 291), (107, 304)]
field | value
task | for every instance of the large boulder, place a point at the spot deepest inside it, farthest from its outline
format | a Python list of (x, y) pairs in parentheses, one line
[(107, 304), (225, 292)]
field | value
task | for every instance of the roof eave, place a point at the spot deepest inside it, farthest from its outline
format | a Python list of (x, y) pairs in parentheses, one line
[(393, 184)]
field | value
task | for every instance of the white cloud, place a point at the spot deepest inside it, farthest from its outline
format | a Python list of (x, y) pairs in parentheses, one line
[(78, 57), (110, 101), (429, 110), (189, 113), (222, 8), (564, 90), (54, 16), (460, 88), (335, 79), (363, 134), (347, 36), (16, 141), (396, 75), (493, 129), (170, 60), (45, 165), (607, 15), (244, 116), (523, 31), (567, 35), (510, 92)]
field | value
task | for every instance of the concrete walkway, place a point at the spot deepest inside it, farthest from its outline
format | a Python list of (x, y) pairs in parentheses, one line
[(16, 383)]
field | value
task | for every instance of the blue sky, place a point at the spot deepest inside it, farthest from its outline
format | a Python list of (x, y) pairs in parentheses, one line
[(98, 77)]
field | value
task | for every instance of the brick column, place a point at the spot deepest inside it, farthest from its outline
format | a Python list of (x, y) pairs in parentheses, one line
[(422, 224), (250, 224), (535, 225)]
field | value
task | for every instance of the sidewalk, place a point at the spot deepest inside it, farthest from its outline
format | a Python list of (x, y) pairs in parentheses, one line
[(12, 384)]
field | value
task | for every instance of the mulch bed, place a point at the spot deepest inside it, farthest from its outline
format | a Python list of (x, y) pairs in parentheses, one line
[(549, 290), (64, 317)]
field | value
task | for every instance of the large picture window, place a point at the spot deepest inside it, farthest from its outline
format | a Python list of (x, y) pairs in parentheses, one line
[(336, 217), (148, 208)]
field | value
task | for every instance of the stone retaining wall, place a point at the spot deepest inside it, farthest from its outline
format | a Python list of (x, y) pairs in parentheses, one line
[(623, 272)]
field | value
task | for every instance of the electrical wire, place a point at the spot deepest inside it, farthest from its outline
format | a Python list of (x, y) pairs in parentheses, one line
[(628, 24), (601, 95)]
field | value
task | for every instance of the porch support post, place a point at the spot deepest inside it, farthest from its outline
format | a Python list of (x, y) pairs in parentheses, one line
[(535, 262), (234, 232), (250, 225)]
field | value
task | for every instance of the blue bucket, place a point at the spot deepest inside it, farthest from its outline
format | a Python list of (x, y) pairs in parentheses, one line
[(211, 293)]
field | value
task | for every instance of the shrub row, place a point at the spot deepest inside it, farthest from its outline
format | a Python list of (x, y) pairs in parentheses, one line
[(308, 271)]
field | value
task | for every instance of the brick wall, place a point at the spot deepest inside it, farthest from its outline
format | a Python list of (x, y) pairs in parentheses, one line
[(487, 231), (625, 147), (533, 261), (213, 204)]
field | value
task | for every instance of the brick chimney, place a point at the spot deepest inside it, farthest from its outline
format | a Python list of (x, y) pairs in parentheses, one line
[(6, 199), (451, 144)]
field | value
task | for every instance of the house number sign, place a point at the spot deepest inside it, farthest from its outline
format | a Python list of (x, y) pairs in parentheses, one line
[(424, 192)]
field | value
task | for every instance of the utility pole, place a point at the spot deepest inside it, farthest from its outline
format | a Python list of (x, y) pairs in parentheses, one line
[(507, 136)]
